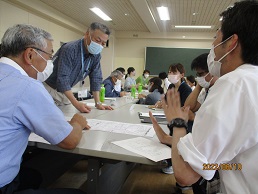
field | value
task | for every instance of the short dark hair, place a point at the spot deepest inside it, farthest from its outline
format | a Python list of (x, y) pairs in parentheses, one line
[(157, 82), (191, 79), (200, 62), (121, 69), (241, 19), (163, 75), (146, 71)]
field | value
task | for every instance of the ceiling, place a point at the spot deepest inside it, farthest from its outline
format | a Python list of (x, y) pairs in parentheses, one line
[(136, 15)]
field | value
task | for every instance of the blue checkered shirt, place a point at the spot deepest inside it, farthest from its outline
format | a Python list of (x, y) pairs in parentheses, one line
[(68, 68)]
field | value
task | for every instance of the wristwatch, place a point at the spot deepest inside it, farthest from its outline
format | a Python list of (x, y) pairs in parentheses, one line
[(97, 103), (177, 122)]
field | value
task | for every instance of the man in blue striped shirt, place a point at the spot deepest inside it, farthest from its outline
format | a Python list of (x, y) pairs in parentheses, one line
[(75, 61)]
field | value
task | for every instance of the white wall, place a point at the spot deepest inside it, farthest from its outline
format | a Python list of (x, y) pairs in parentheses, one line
[(124, 50), (11, 15), (62, 28)]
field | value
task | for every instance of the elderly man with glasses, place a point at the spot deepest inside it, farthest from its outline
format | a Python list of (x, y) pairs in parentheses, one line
[(110, 84)]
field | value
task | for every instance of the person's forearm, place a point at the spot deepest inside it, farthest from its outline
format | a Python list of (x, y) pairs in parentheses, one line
[(162, 136), (96, 96), (70, 96), (192, 98), (183, 172)]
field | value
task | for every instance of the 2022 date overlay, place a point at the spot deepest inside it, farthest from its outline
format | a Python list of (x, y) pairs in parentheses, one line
[(222, 166)]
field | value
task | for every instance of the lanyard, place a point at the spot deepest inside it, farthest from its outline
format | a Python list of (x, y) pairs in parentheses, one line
[(82, 58)]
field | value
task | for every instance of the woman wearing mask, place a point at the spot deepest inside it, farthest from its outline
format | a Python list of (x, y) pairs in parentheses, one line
[(144, 79), (155, 90), (176, 74), (129, 80), (120, 85)]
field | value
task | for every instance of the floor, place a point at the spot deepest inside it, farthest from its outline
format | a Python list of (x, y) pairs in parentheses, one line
[(144, 179)]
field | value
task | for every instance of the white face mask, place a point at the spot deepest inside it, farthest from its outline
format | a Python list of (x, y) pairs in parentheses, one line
[(173, 78), (215, 66), (118, 81), (123, 76), (94, 48), (146, 76), (42, 76), (202, 82), (117, 86)]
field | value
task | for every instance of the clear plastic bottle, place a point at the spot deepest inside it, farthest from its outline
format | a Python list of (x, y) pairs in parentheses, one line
[(133, 91), (102, 93)]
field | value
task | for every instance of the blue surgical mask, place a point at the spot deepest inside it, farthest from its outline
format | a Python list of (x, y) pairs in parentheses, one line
[(94, 48)]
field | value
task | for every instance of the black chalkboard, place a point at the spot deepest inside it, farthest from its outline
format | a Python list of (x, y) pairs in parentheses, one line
[(158, 59)]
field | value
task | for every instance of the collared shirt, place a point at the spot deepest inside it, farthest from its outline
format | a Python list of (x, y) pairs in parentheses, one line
[(68, 67), (225, 131), (25, 107), (109, 88)]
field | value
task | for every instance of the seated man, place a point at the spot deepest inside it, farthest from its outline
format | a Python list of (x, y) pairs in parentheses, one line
[(27, 107), (204, 83), (110, 83), (225, 131)]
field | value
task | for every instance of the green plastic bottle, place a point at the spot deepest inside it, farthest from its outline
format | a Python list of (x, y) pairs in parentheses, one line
[(140, 88), (102, 93), (133, 91)]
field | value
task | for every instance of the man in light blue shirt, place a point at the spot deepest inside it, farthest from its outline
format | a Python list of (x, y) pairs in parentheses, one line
[(25, 104)]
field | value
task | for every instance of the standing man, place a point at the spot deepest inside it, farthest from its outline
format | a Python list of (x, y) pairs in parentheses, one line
[(75, 61), (225, 130), (26, 106)]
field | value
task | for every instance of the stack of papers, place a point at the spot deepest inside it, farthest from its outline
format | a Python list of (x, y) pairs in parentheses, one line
[(160, 117)]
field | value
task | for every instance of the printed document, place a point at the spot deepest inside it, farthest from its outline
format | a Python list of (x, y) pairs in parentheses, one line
[(119, 127), (150, 149)]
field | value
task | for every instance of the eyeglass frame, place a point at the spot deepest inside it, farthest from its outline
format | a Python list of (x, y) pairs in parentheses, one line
[(51, 56)]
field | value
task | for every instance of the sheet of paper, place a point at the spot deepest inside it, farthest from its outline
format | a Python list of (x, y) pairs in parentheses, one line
[(92, 104), (150, 149), (119, 127), (158, 114)]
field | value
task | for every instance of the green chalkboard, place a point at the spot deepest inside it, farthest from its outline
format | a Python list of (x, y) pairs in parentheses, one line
[(158, 59)]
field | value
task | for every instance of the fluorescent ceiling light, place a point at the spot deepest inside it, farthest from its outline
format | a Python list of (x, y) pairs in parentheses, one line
[(163, 13), (192, 26), (100, 13)]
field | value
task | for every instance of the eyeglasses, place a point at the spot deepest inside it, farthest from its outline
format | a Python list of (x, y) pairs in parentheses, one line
[(51, 57), (99, 41)]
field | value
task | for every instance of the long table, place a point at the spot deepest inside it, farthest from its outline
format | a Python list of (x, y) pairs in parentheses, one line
[(97, 146)]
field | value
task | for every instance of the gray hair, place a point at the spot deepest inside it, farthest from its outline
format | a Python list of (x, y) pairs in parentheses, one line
[(116, 73), (98, 26), (21, 36)]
